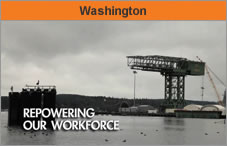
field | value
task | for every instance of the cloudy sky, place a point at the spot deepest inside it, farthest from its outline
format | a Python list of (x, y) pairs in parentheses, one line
[(89, 57)]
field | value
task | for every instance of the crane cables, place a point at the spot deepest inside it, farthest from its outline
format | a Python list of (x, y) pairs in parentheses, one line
[(212, 82), (216, 76), (213, 73)]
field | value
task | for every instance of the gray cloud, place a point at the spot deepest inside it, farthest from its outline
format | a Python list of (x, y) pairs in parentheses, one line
[(89, 57)]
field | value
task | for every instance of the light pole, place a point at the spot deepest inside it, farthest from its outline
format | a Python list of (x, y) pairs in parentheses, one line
[(134, 72)]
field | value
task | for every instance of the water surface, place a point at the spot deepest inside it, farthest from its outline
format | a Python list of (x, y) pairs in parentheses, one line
[(134, 130)]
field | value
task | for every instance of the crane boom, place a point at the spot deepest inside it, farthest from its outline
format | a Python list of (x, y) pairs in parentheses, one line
[(174, 69), (212, 82)]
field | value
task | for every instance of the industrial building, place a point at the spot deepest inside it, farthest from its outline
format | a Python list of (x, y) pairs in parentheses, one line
[(214, 108), (140, 109), (193, 107), (198, 111)]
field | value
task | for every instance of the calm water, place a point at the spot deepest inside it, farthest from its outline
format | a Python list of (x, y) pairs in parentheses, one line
[(156, 130)]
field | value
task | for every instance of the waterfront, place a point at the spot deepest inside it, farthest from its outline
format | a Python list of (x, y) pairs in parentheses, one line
[(134, 130)]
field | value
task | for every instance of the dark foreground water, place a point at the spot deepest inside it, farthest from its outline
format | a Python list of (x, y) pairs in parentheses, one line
[(155, 130)]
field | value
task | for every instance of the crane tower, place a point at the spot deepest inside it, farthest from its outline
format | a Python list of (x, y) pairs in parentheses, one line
[(174, 69)]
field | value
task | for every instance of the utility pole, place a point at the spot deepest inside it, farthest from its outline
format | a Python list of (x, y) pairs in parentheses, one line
[(202, 87), (134, 103)]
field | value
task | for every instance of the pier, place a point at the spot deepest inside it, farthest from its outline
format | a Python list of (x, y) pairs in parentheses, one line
[(30, 97)]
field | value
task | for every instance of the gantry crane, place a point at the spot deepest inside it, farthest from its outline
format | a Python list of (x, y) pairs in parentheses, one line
[(212, 81), (174, 69)]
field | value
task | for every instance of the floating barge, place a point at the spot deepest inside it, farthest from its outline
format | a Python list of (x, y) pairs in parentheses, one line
[(198, 114)]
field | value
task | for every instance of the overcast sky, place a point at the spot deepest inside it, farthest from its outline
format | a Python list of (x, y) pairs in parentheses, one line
[(89, 57)]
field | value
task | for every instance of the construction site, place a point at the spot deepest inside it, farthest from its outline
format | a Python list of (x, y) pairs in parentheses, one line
[(175, 70)]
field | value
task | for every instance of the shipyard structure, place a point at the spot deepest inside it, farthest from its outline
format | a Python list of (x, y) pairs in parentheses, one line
[(30, 97), (174, 70)]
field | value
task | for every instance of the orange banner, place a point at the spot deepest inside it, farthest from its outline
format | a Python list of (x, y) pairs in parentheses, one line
[(113, 10)]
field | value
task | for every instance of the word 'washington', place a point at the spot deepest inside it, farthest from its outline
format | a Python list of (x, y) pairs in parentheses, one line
[(109, 125), (124, 12)]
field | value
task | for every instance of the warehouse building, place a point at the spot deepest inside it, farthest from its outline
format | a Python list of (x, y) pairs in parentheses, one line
[(193, 107), (214, 108)]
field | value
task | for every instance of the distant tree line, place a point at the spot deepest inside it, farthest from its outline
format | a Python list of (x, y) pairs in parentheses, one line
[(101, 103)]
